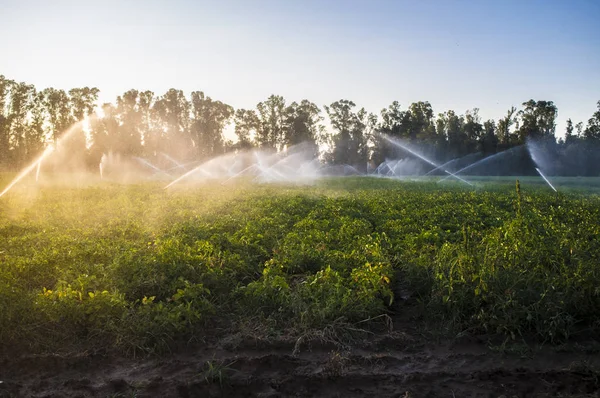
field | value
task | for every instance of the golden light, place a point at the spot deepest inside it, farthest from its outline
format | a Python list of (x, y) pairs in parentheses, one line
[(99, 112), (86, 126)]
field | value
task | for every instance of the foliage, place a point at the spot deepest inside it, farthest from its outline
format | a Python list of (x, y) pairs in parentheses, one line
[(161, 128), (142, 269)]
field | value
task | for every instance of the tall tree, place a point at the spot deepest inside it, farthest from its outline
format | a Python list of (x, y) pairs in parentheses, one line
[(504, 126), (21, 101), (82, 102), (579, 129), (130, 123), (59, 112), (271, 129), (570, 136), (209, 119), (454, 132), (489, 139), (35, 135), (149, 134), (303, 124), (105, 133), (173, 111), (592, 130), (394, 122), (5, 86), (421, 121), (140, 123), (473, 130), (441, 125), (353, 131), (246, 126), (538, 120)]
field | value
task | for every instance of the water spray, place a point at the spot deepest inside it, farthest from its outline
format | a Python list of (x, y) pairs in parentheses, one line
[(534, 152), (545, 179), (37, 171), (238, 174), (75, 127), (394, 142), (484, 160), (451, 161), (28, 169), (153, 167), (192, 171), (177, 164)]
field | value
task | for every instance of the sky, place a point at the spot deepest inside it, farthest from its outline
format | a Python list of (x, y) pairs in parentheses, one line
[(455, 54)]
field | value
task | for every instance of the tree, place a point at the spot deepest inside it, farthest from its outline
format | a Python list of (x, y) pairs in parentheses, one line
[(353, 131), (82, 102), (5, 86), (59, 112), (489, 139), (173, 118), (454, 132), (246, 125), (538, 120), (130, 123), (271, 128), (504, 125), (20, 105), (570, 136), (209, 119), (473, 130), (105, 133), (579, 129), (149, 134), (421, 121), (441, 126), (592, 130), (35, 136), (142, 124), (395, 123), (303, 124)]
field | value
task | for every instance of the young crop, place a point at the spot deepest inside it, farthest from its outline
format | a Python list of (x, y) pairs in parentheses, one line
[(143, 270)]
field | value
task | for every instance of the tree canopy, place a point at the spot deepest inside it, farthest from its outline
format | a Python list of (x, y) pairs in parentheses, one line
[(190, 128)]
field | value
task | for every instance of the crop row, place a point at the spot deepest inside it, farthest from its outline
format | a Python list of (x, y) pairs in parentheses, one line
[(142, 269)]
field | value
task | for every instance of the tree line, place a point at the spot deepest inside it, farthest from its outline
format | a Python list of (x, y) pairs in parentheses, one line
[(144, 124)]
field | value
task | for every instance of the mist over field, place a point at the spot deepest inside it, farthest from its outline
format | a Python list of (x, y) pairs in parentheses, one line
[(299, 199), (176, 138)]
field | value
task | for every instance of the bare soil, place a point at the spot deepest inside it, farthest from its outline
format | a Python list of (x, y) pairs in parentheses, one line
[(393, 364)]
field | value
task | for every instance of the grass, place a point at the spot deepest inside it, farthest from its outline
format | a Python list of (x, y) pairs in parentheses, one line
[(142, 270), (217, 372)]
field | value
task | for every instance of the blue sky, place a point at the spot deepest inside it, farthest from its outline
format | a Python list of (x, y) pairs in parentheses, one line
[(455, 54)]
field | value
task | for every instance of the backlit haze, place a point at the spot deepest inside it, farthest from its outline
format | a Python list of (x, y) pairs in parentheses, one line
[(455, 54)]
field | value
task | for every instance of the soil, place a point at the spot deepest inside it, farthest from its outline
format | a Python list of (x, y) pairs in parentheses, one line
[(393, 364), (405, 359)]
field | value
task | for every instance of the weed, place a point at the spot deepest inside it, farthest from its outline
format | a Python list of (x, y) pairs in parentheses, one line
[(336, 364), (217, 372)]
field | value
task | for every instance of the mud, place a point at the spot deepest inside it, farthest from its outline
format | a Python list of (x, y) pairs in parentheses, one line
[(390, 365)]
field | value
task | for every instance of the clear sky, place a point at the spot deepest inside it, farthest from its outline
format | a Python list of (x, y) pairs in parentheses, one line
[(454, 54)]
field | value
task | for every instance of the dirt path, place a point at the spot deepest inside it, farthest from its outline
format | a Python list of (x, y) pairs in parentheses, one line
[(391, 366)]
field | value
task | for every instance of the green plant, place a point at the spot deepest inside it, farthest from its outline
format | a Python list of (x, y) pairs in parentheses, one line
[(217, 372), (143, 270)]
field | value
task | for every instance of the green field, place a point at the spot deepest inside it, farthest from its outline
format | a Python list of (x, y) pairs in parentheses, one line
[(137, 269)]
